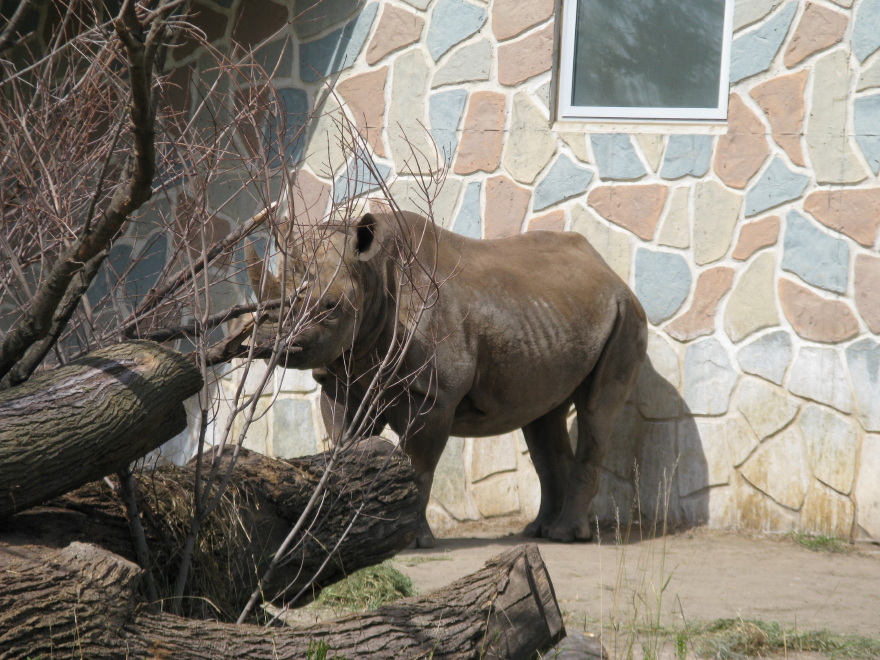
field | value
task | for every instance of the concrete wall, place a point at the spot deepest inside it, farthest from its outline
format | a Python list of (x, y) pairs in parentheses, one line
[(751, 243)]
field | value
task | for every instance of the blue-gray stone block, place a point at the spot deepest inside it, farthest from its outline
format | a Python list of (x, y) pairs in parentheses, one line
[(337, 50), (445, 110), (663, 281), (866, 33), (361, 176), (767, 356), (294, 431), (296, 116), (867, 127), (616, 157), (814, 256), (687, 155), (149, 265), (776, 186), (277, 58), (468, 222), (565, 179), (709, 378), (753, 52), (863, 359), (452, 21)]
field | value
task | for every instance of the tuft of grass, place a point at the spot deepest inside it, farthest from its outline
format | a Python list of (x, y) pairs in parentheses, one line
[(738, 639), (367, 589), (820, 543)]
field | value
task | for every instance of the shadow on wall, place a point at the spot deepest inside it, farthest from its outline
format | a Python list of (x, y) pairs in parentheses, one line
[(655, 469)]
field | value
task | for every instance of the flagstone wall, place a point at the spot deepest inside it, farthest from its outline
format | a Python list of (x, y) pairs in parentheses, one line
[(751, 243)]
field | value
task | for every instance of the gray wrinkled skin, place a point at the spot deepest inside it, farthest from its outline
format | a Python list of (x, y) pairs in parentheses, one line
[(518, 330)]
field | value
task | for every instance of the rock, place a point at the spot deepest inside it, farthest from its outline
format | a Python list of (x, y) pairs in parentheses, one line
[(652, 148), (827, 512), (616, 157), (553, 221), (397, 28), (530, 145), (832, 445), (364, 94), (755, 236), (687, 155), (469, 220), (565, 179), (776, 186), (867, 490), (866, 121), (636, 208), (703, 462), (445, 110), (614, 245), (676, 228), (660, 380), (407, 127), (782, 100), (470, 63), (746, 12), (813, 255), (767, 408), (867, 285), (506, 207), (752, 304), (513, 17), (716, 211), (863, 359), (708, 378), (865, 35), (452, 21), (814, 317), (818, 374), (334, 52), (293, 432), (755, 51), (767, 356), (663, 281), (780, 469), (818, 29), (699, 320), (526, 57), (855, 213), (743, 149), (482, 138)]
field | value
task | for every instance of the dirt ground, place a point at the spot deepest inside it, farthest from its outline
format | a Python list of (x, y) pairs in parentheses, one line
[(708, 575)]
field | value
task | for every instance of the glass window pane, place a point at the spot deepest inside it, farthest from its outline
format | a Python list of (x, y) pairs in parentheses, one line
[(648, 53)]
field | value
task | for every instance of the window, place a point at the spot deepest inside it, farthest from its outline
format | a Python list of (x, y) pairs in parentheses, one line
[(645, 59)]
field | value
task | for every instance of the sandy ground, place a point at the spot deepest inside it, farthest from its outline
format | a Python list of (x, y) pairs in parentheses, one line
[(708, 574)]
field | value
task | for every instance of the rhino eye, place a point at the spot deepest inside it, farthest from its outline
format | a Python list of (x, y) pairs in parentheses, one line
[(330, 304)]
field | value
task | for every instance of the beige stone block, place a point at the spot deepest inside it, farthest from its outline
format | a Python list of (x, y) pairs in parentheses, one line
[(819, 374), (716, 211), (779, 468), (814, 317), (528, 487), (867, 490), (652, 147), (827, 512), (450, 483), (577, 142), (699, 320), (870, 77), (258, 433), (755, 236), (733, 433), (530, 145), (397, 28), (482, 137), (497, 495), (676, 228), (747, 12), (364, 95), (703, 459), (659, 383), (294, 380), (658, 465), (766, 407), (614, 245), (492, 455), (470, 63), (325, 153), (409, 194), (867, 282), (833, 157), (411, 145), (613, 502), (756, 511), (254, 375), (441, 521), (752, 304), (832, 445)]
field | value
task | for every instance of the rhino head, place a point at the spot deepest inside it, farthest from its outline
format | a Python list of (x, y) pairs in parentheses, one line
[(330, 282)]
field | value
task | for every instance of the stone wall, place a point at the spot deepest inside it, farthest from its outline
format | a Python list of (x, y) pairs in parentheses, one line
[(751, 243)]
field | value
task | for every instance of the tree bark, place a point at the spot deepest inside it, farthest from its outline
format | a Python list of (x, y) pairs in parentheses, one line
[(81, 600), (370, 496), (80, 422)]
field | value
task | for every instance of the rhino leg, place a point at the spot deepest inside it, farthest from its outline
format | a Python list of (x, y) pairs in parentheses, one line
[(338, 407), (424, 448), (599, 400), (551, 454)]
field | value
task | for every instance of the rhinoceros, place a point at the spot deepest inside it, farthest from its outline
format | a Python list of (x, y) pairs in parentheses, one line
[(509, 334)]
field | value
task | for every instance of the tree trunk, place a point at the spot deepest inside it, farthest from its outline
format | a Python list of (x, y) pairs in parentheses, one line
[(370, 496), (88, 419), (81, 600)]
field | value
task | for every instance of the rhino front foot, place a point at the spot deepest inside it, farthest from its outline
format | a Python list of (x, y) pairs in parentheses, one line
[(568, 532)]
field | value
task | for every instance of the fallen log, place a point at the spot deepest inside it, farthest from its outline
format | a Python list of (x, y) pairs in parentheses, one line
[(370, 498), (91, 418), (82, 600)]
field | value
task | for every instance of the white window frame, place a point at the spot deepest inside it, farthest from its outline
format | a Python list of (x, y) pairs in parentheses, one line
[(567, 111)]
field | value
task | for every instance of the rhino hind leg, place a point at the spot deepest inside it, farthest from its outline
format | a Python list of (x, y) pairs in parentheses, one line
[(551, 454), (599, 400)]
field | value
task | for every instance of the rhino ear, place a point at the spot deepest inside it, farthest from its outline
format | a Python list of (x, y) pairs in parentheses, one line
[(366, 243)]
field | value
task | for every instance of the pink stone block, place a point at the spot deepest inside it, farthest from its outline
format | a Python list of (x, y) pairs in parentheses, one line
[(511, 17), (256, 20), (814, 317), (211, 22), (819, 28), (636, 208), (365, 96), (867, 283), (756, 235), (482, 137), (397, 28), (743, 150), (855, 213), (525, 58), (311, 198), (506, 206), (782, 100), (699, 320), (554, 221)]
